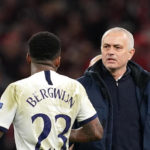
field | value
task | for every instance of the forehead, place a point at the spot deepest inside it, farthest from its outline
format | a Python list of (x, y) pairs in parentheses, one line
[(115, 37)]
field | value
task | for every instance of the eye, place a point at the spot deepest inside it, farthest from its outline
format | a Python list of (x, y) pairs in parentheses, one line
[(106, 46), (118, 47)]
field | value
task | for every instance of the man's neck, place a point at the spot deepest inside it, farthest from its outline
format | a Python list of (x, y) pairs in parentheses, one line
[(117, 74), (37, 67)]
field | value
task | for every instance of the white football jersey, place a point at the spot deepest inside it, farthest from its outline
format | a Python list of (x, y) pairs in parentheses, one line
[(43, 108)]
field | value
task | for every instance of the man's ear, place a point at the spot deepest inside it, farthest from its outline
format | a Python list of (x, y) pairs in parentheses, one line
[(57, 61), (28, 58), (131, 53)]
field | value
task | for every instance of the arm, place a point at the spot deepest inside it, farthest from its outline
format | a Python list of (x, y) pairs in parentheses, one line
[(71, 147), (91, 131)]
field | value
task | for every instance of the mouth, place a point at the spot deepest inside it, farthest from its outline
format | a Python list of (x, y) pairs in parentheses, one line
[(111, 59)]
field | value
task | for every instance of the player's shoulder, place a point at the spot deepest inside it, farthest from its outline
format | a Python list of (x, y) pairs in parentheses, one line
[(27, 80), (16, 86), (19, 83), (40, 77), (67, 79)]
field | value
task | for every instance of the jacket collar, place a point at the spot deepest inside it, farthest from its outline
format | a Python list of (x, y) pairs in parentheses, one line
[(140, 76)]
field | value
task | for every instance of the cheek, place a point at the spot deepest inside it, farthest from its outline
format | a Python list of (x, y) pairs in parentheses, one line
[(123, 59), (103, 57)]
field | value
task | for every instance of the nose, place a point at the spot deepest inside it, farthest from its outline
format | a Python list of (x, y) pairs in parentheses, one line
[(111, 51)]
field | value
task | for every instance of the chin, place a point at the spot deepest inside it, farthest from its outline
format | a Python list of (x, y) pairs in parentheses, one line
[(111, 67)]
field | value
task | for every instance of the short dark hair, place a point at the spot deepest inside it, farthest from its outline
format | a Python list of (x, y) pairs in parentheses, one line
[(44, 46)]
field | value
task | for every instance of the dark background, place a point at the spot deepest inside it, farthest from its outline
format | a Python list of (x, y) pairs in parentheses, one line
[(79, 24)]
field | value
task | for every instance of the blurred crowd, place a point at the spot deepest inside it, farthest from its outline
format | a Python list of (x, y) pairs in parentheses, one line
[(78, 23)]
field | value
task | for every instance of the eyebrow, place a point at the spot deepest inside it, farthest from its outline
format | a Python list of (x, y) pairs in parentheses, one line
[(117, 45), (112, 44)]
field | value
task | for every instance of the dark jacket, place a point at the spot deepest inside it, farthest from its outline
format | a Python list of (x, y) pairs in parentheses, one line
[(101, 100)]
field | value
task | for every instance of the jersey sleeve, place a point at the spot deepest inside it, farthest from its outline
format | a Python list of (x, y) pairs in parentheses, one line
[(87, 112), (8, 107)]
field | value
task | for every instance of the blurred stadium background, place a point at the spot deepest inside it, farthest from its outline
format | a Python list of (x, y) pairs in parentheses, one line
[(79, 24)]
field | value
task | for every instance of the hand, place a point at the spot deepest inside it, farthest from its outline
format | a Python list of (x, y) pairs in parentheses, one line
[(71, 147)]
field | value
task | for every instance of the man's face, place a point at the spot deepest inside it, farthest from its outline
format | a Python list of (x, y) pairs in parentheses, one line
[(115, 51)]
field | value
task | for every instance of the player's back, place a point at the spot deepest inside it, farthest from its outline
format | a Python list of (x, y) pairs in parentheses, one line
[(47, 104)]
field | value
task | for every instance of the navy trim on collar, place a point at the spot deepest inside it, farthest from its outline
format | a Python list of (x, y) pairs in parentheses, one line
[(48, 77)]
